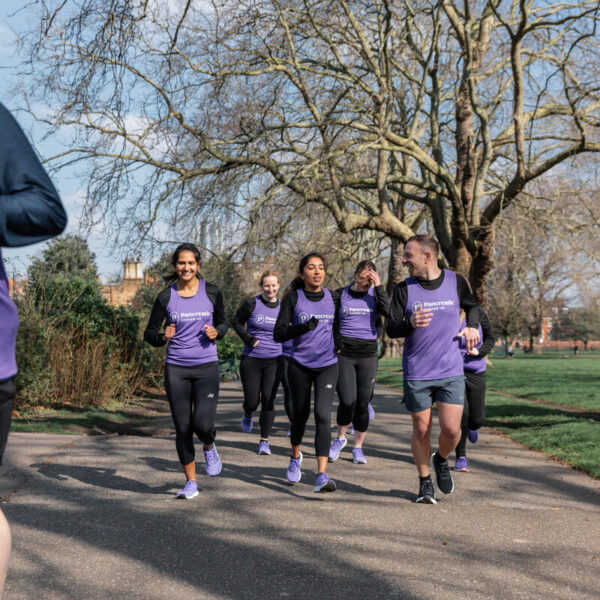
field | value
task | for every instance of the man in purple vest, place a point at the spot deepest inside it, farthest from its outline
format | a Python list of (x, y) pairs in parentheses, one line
[(425, 310)]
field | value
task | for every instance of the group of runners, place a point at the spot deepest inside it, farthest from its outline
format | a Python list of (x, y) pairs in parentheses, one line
[(319, 341)]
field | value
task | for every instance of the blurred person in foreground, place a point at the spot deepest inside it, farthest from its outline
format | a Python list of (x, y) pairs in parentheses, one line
[(30, 212)]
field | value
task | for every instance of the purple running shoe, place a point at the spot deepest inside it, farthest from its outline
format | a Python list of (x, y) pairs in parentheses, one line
[(293, 473), (358, 457), (189, 491), (351, 430), (472, 435), (324, 484), (461, 464), (263, 447), (213, 462), (371, 413), (336, 448), (246, 424)]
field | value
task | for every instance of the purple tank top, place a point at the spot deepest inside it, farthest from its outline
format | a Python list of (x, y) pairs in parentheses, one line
[(357, 315), (9, 320), (286, 348), (432, 352), (315, 348), (260, 325), (473, 364), (190, 346)]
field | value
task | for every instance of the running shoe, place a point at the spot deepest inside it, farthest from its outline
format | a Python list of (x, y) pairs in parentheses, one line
[(371, 413), (351, 430), (472, 435), (358, 458), (213, 462), (426, 492), (336, 448), (293, 473), (246, 424), (324, 484), (289, 433), (461, 464), (189, 491), (443, 477), (263, 447)]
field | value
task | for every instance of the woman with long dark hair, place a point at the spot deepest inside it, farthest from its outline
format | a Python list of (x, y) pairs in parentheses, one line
[(260, 366), (307, 318), (362, 304), (195, 319)]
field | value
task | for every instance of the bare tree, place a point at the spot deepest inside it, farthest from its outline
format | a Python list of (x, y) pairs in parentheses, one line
[(388, 114)]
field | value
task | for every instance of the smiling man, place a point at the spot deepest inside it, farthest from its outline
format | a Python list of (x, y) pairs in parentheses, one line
[(425, 310)]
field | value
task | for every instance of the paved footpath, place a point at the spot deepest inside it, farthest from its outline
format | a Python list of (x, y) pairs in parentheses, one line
[(93, 517)]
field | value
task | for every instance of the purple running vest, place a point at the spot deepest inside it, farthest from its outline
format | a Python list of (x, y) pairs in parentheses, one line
[(287, 347), (473, 364), (260, 325), (190, 346), (357, 315), (9, 323), (432, 352), (315, 348)]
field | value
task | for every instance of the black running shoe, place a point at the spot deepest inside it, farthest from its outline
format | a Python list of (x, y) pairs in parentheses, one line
[(426, 493), (443, 476)]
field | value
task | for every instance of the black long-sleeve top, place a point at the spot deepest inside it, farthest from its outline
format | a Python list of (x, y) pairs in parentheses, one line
[(285, 331), (488, 337), (243, 314), (30, 207), (358, 347), (153, 334), (30, 212), (399, 326)]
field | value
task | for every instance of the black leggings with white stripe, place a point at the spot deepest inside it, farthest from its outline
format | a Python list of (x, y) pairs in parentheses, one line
[(192, 393), (323, 380)]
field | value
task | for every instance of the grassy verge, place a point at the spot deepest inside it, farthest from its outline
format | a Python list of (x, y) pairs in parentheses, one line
[(569, 381), (562, 435), (117, 418), (558, 433)]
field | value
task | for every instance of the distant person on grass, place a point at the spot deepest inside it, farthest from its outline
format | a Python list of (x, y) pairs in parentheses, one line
[(425, 309), (195, 318), (30, 212)]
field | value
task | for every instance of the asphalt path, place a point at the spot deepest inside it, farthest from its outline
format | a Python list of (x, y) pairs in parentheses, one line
[(94, 517)]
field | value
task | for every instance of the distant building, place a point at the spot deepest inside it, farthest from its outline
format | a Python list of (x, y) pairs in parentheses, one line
[(122, 294)]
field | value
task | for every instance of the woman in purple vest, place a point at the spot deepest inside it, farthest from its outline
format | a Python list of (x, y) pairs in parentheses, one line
[(307, 318), (474, 410), (360, 311), (195, 317), (260, 367)]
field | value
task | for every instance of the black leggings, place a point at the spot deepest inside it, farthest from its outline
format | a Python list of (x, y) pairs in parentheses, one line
[(285, 382), (192, 393), (7, 399), (260, 380), (355, 389), (301, 380), (474, 410)]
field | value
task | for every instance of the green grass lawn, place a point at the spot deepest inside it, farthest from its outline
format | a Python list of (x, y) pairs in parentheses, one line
[(73, 422), (553, 379), (570, 381)]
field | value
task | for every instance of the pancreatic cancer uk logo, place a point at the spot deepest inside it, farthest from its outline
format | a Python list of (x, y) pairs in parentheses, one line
[(259, 319), (174, 317), (303, 317), (417, 306), (344, 311)]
